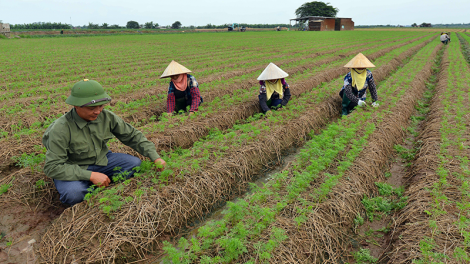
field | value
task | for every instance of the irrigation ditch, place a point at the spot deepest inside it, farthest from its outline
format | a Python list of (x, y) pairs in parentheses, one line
[(157, 216)]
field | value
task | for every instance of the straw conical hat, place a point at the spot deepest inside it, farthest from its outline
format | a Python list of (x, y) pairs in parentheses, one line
[(360, 61), (272, 72), (174, 69)]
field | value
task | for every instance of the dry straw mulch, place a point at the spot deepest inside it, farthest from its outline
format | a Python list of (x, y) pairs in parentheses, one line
[(413, 222)]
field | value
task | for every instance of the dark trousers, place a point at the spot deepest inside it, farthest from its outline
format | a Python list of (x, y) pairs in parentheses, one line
[(347, 105), (73, 192), (273, 104)]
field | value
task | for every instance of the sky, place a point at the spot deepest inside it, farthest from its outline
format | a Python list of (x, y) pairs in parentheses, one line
[(203, 12)]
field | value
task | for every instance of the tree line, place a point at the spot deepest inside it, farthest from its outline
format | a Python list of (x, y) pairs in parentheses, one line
[(134, 25), (41, 25)]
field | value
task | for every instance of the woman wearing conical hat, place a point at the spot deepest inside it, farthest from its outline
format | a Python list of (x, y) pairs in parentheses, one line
[(274, 92), (356, 83), (183, 90)]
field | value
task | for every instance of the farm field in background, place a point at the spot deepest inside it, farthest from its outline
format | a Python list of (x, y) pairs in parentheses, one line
[(308, 212)]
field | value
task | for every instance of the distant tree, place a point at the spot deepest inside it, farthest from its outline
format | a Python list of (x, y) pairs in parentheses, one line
[(156, 25), (316, 9), (425, 25), (115, 26), (149, 25), (132, 24), (93, 26), (105, 25), (414, 25), (176, 25)]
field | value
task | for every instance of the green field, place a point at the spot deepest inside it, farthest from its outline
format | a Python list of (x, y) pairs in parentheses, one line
[(308, 212)]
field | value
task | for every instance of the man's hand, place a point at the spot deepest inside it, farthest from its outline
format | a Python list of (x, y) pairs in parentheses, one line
[(160, 162), (361, 103), (279, 108), (269, 113), (375, 104), (99, 179), (191, 113)]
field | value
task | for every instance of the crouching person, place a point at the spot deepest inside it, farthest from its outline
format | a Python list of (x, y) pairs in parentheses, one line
[(77, 156), (183, 90), (274, 91), (356, 83)]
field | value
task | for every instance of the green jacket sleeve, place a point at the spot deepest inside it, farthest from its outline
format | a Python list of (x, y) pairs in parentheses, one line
[(56, 141), (133, 138)]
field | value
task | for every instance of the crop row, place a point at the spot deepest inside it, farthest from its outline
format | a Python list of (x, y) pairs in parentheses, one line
[(303, 214), (435, 227), (136, 66), (245, 101), (245, 88), (145, 82), (210, 172)]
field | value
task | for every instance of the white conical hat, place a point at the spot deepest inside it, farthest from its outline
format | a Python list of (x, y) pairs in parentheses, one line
[(174, 69), (360, 61), (272, 72)]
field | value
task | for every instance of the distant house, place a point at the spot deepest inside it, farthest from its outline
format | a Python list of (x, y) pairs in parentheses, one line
[(317, 23), (426, 25), (5, 29)]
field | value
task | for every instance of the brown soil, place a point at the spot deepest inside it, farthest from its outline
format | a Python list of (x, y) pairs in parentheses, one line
[(22, 224)]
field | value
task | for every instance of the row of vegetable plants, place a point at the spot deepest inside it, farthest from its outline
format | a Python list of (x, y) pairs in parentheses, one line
[(116, 148), (247, 83), (37, 127), (435, 227), (34, 103), (199, 57), (185, 192), (291, 218), (465, 45), (144, 87), (164, 132)]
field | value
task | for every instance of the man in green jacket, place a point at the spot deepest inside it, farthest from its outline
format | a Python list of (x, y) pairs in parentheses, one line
[(77, 156)]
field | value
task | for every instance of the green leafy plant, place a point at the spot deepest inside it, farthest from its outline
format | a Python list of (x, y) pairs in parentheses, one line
[(363, 256), (32, 161)]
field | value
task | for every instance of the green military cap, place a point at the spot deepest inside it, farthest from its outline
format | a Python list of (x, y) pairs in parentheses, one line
[(88, 93)]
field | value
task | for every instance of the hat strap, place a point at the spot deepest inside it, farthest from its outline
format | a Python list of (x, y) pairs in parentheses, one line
[(96, 101)]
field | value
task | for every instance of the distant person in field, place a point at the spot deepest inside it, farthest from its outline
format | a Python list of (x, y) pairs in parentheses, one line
[(183, 90), (445, 38), (356, 83), (77, 155), (274, 92)]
